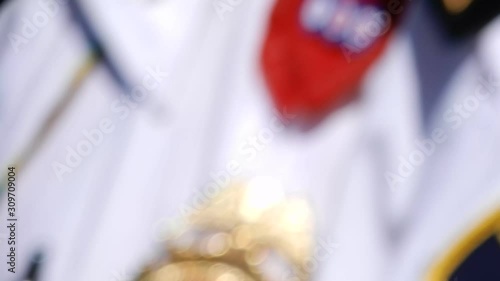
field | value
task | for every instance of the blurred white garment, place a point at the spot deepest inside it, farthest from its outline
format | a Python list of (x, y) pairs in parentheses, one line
[(211, 117)]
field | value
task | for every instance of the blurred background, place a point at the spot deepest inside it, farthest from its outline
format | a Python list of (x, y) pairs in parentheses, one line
[(224, 140)]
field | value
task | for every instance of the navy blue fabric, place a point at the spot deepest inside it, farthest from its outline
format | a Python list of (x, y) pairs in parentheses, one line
[(482, 265)]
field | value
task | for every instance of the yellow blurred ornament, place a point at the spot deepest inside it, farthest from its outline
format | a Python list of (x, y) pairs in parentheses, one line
[(238, 236)]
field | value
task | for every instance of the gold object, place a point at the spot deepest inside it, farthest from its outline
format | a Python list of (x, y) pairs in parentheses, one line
[(243, 234), (456, 7)]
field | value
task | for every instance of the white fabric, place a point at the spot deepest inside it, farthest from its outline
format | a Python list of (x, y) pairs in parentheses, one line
[(104, 220)]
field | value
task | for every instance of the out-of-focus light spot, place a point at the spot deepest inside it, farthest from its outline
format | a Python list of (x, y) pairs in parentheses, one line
[(228, 276), (262, 193), (218, 244), (242, 237)]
